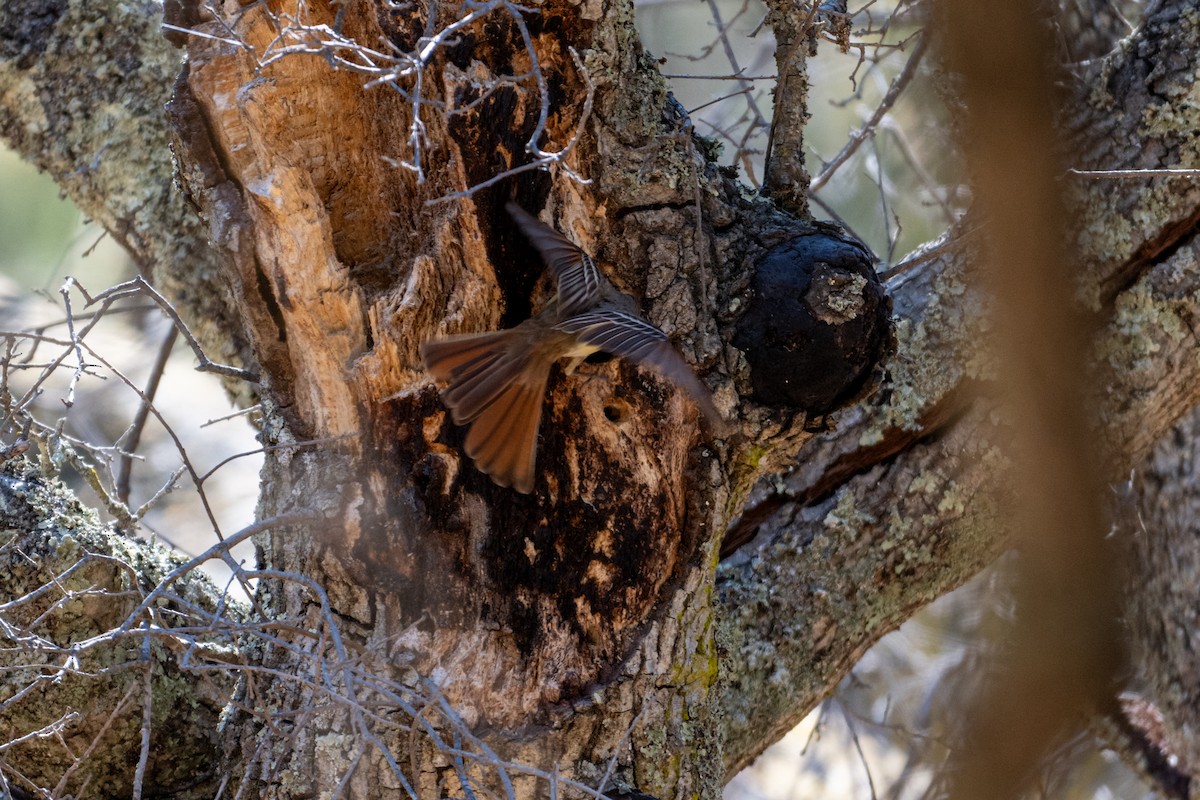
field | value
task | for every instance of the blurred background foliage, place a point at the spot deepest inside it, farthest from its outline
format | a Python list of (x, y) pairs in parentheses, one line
[(887, 730), (901, 188), (41, 233), (43, 240)]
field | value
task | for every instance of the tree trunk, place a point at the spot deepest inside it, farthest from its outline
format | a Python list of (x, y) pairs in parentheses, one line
[(573, 625)]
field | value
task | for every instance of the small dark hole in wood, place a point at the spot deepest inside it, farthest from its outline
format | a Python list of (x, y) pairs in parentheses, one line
[(614, 414)]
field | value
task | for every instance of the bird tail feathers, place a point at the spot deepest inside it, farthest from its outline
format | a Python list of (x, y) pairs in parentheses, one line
[(495, 383)]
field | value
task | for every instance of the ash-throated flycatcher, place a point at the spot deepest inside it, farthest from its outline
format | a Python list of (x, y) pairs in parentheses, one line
[(497, 380)]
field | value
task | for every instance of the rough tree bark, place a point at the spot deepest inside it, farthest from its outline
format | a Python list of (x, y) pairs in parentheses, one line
[(575, 624), (579, 625)]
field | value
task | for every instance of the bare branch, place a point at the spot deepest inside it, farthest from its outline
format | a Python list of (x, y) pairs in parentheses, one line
[(134, 434), (868, 129)]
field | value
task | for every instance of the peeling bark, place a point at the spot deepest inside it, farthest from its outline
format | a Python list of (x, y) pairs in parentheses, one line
[(1160, 538), (573, 624), (1137, 112)]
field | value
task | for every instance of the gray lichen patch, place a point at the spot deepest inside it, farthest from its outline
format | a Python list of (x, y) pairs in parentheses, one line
[(68, 584)]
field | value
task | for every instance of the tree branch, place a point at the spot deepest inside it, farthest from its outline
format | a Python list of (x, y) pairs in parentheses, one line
[(898, 505), (105, 141)]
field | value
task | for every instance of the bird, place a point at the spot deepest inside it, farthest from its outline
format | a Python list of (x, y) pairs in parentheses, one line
[(496, 381)]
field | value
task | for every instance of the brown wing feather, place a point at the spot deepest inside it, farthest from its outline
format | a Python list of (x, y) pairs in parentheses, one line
[(476, 367), (477, 384), (625, 335), (575, 273)]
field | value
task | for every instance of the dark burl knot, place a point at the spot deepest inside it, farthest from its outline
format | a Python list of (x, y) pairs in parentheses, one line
[(818, 325)]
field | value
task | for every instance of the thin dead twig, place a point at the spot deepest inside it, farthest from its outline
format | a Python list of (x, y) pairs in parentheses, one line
[(543, 159), (140, 286), (868, 129), (139, 774), (65, 291), (134, 434)]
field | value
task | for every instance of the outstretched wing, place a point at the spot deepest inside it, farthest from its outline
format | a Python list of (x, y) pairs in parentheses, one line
[(575, 273), (628, 336)]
